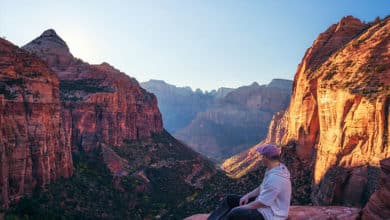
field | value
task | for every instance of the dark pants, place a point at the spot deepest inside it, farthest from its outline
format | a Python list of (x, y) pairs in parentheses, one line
[(224, 210)]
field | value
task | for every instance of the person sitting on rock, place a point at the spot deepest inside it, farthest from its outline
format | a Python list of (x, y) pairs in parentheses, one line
[(269, 201)]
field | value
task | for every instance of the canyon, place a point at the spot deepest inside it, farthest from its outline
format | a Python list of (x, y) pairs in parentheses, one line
[(79, 140), (223, 122), (236, 121)]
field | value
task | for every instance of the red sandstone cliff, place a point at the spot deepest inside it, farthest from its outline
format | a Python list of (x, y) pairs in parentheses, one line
[(339, 110), (43, 118), (34, 149), (101, 104)]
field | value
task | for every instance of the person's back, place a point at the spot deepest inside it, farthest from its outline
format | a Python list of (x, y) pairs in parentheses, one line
[(275, 193)]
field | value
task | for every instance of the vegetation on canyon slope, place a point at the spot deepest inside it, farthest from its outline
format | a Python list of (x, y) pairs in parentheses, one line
[(94, 192)]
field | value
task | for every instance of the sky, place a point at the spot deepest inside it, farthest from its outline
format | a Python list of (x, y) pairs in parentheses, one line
[(203, 44)]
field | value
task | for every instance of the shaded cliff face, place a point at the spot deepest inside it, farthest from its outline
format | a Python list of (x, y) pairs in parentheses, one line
[(237, 121), (34, 148), (101, 104), (378, 207), (338, 116)]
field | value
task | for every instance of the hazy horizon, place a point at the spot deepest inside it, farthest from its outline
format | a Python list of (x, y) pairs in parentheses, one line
[(194, 89), (201, 44)]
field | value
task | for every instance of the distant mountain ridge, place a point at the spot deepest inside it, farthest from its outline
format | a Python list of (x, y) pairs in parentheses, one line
[(222, 122), (237, 121), (180, 105)]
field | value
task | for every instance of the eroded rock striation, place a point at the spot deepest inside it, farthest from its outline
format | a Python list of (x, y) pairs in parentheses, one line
[(100, 103), (34, 147), (53, 103)]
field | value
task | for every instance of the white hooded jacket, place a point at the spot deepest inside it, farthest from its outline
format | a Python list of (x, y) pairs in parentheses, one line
[(275, 193)]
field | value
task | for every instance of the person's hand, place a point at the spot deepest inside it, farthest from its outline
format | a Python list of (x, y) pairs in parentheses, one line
[(244, 200)]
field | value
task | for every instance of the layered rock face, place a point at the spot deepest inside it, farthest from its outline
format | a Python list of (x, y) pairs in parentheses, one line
[(115, 128), (237, 121), (339, 110), (34, 148), (100, 103)]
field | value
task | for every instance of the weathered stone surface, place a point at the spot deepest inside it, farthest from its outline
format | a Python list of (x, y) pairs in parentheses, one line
[(198, 217), (309, 213), (100, 103), (323, 212), (338, 115), (34, 149)]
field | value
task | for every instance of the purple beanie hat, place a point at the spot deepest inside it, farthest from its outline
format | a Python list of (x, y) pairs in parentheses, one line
[(268, 150)]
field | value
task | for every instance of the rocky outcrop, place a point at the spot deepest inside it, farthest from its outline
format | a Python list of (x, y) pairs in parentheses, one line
[(309, 212), (378, 207), (339, 110), (323, 212), (117, 165), (34, 148), (237, 121), (100, 103)]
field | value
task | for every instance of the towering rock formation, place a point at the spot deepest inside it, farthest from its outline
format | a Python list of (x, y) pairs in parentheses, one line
[(237, 121), (101, 104), (339, 110), (34, 148), (126, 164)]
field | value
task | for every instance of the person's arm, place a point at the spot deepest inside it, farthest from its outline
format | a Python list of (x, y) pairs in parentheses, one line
[(255, 205), (244, 200), (253, 193), (266, 197)]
